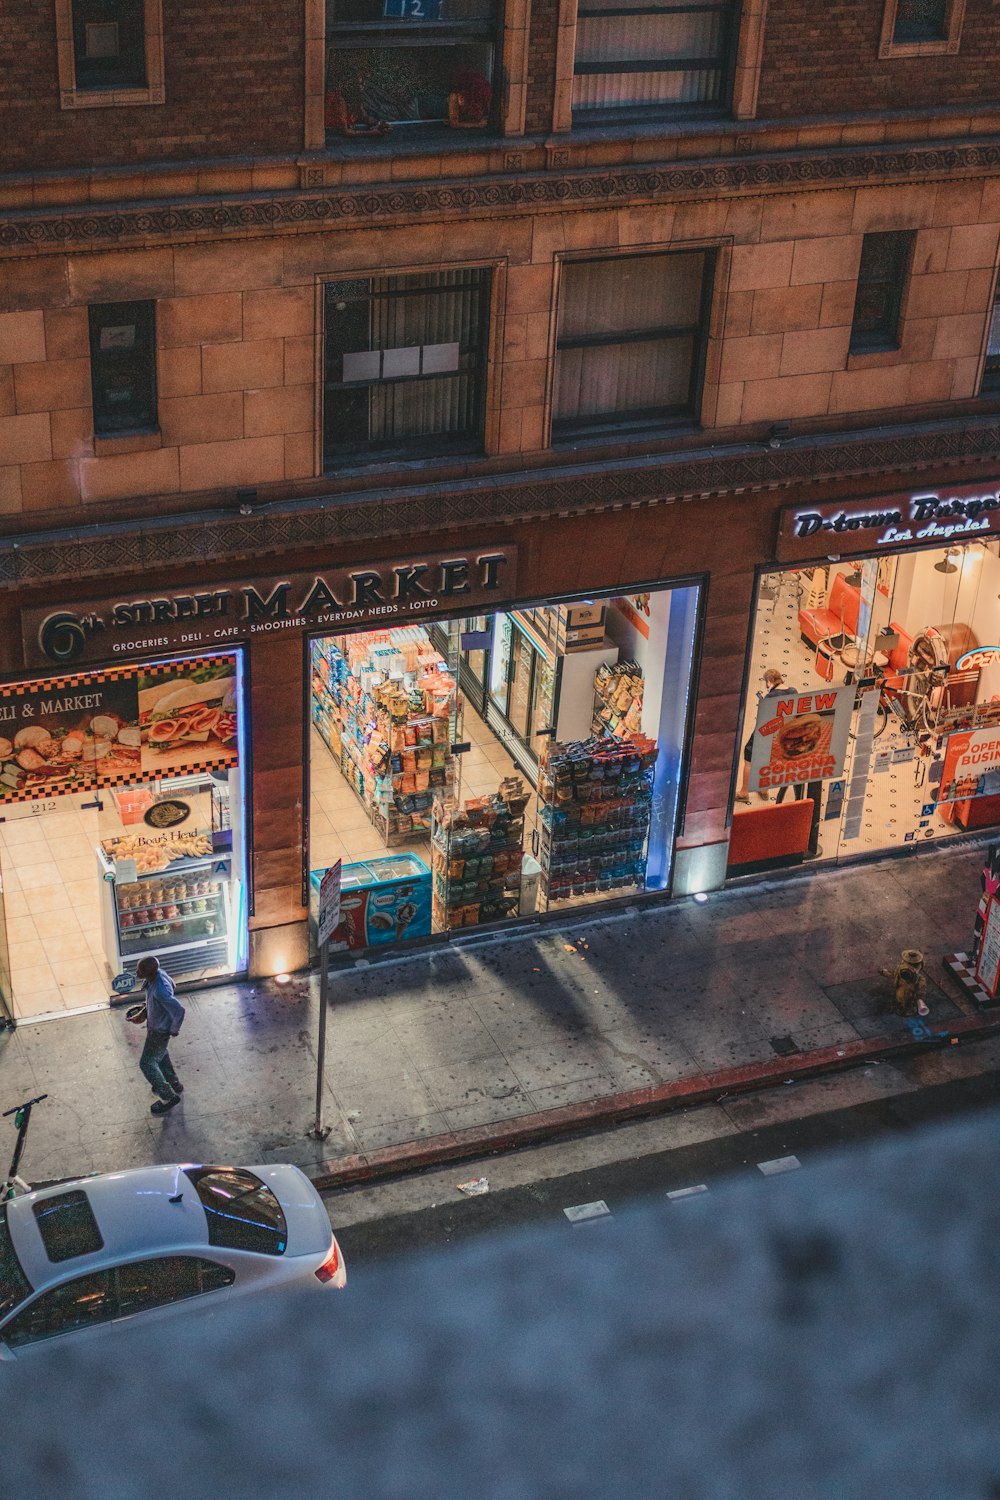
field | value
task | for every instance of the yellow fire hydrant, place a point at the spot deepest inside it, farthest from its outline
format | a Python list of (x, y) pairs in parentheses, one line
[(909, 983)]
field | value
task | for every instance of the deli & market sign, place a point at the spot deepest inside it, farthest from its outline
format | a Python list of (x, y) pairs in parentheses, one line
[(220, 614), (949, 514)]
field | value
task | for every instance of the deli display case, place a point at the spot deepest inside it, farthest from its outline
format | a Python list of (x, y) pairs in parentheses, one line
[(173, 894)]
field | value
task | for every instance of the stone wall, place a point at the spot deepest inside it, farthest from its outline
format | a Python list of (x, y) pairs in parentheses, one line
[(238, 333)]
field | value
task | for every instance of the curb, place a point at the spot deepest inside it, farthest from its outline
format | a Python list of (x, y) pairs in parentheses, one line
[(612, 1109)]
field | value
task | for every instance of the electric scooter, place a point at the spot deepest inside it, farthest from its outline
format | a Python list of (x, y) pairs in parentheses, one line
[(13, 1185)]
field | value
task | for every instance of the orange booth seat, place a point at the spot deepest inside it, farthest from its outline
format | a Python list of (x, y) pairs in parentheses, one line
[(765, 837), (838, 617)]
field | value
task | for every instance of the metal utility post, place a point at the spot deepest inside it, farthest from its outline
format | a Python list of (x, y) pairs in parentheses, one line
[(329, 917)]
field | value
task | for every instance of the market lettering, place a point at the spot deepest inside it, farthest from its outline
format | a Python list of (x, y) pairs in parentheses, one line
[(320, 596), (274, 607), (407, 585), (71, 704), (366, 589), (491, 563), (289, 602)]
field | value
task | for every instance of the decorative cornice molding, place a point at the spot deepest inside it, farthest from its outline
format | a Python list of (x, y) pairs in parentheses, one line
[(295, 213), (326, 522)]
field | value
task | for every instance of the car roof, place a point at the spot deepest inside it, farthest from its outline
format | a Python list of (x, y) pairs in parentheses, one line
[(133, 1212)]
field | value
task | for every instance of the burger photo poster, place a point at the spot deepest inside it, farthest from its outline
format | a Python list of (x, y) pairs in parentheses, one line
[(188, 716), (800, 737)]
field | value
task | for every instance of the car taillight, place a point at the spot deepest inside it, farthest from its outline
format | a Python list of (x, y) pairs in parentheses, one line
[(328, 1270)]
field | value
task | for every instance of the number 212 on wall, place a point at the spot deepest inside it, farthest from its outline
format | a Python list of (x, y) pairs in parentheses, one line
[(412, 10)]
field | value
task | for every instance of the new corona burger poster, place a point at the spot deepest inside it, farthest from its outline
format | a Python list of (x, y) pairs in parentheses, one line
[(800, 737)]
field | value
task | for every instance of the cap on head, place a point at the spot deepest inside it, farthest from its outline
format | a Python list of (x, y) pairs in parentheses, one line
[(148, 968)]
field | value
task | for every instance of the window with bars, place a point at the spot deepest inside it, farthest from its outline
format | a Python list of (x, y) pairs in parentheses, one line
[(920, 21), (991, 370), (109, 45), (405, 364), (885, 260), (123, 367), (398, 61), (652, 57), (631, 341)]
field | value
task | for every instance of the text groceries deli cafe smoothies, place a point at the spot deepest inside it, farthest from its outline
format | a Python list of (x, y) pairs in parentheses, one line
[(339, 598)]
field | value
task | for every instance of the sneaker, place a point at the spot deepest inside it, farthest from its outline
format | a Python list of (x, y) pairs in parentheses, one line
[(162, 1105)]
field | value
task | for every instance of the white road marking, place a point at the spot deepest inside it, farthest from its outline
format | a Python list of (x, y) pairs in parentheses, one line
[(690, 1192), (584, 1213), (778, 1165)]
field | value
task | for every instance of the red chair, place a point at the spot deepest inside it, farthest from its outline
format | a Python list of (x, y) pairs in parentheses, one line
[(838, 617)]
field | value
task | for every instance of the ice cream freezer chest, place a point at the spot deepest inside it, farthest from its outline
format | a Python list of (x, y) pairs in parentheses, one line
[(382, 901)]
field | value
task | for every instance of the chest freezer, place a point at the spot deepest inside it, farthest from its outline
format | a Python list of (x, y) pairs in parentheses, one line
[(382, 901)]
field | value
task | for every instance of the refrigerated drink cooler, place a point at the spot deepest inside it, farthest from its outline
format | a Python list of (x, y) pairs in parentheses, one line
[(382, 901)]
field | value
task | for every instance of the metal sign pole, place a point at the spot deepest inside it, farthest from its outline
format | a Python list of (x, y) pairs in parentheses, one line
[(319, 1130), (328, 917)]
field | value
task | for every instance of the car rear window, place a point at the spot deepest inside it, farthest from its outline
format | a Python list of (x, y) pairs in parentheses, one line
[(242, 1213), (67, 1225), (14, 1285)]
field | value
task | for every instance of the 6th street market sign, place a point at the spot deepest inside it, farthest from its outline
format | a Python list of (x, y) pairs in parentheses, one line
[(221, 614), (946, 515)]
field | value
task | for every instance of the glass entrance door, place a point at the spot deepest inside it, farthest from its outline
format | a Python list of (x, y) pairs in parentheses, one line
[(51, 914)]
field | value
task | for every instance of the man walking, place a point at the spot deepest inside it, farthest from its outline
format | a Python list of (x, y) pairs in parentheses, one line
[(164, 1017)]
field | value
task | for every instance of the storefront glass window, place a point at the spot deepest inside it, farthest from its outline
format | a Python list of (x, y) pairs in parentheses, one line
[(121, 829), (473, 771), (884, 728)]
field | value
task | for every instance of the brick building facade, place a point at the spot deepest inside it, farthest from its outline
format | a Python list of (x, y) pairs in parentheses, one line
[(226, 208)]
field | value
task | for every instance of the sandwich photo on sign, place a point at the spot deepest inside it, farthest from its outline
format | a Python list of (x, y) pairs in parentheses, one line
[(59, 737), (800, 737), (188, 715)]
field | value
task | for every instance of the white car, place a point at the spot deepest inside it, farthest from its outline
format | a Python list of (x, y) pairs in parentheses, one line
[(90, 1256)]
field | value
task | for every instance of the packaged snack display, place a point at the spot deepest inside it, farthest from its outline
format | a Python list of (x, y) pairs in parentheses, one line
[(477, 850), (596, 820), (383, 701), (618, 700)]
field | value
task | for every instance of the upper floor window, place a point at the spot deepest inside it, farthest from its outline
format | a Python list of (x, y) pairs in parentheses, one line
[(631, 341), (402, 63), (652, 57), (911, 28), (108, 44), (885, 260), (110, 53), (991, 370), (405, 363), (123, 367), (920, 21)]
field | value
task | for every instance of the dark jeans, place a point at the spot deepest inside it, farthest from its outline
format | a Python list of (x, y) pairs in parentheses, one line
[(156, 1065)]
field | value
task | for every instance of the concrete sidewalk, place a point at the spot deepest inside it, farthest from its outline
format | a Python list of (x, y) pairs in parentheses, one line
[(453, 1052)]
